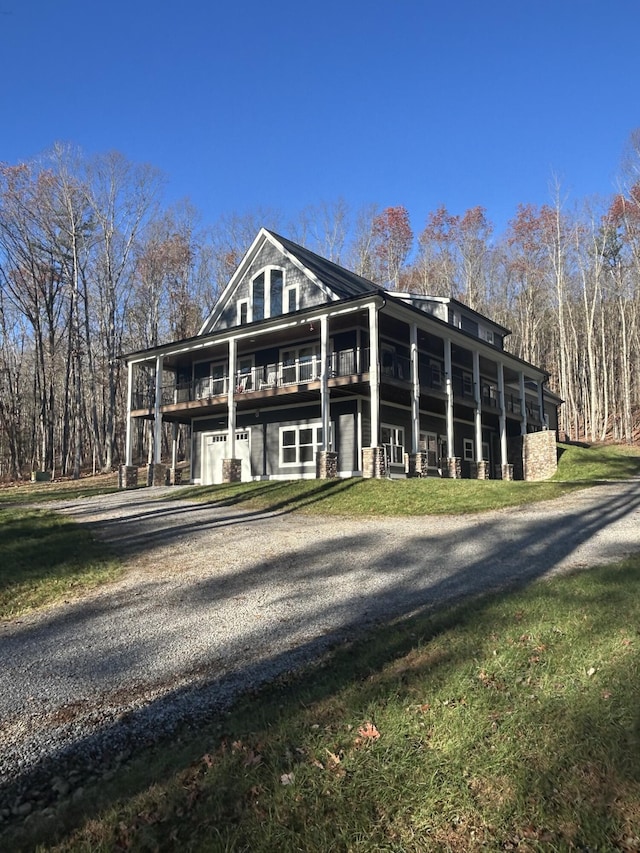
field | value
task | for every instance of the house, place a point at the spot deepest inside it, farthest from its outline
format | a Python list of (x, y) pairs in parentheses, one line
[(304, 369)]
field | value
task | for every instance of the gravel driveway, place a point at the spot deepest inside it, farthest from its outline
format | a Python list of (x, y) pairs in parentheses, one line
[(219, 599)]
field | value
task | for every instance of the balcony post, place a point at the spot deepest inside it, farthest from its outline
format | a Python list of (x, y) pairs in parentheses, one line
[(374, 375), (128, 443), (157, 414), (231, 405), (415, 391), (523, 405), (449, 389), (541, 402), (478, 405), (502, 418), (324, 385)]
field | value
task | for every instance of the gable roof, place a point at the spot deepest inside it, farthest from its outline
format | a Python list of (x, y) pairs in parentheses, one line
[(335, 281), (344, 283)]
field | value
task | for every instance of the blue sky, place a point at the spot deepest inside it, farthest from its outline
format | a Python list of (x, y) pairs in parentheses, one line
[(286, 104)]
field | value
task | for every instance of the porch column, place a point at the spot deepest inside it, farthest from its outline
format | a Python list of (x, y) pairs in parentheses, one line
[(374, 376), (231, 405), (449, 390), (523, 405), (478, 407), (128, 443), (157, 414), (506, 470), (541, 401), (502, 417), (415, 391), (324, 387)]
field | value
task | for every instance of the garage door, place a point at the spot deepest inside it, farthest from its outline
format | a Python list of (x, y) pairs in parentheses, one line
[(214, 450)]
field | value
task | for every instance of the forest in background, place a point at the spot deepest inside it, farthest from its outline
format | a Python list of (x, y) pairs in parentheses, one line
[(94, 264)]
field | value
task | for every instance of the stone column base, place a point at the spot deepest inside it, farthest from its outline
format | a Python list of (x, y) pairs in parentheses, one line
[(482, 470), (507, 472), (418, 464), (128, 477), (326, 465), (156, 474), (174, 476), (231, 470), (454, 468), (373, 465)]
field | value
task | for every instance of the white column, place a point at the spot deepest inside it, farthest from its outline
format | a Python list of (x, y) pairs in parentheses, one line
[(541, 401), (502, 418), (128, 443), (374, 376), (157, 415), (324, 387), (449, 389), (415, 391), (523, 405), (231, 404), (174, 445), (478, 408)]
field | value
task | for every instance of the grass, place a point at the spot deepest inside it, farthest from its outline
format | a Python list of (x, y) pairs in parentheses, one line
[(511, 723), (578, 467), (22, 493), (46, 558)]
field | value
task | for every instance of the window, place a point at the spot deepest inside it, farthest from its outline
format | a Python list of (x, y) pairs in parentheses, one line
[(469, 454), (243, 312), (275, 296), (299, 444), (258, 297), (392, 438), (290, 298), (429, 442)]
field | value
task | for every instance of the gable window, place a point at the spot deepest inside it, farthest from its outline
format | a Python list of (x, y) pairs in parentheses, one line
[(243, 312), (299, 444), (290, 298), (267, 289), (276, 284), (258, 297)]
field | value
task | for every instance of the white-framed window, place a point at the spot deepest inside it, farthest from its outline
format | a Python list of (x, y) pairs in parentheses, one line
[(392, 438), (258, 297), (429, 442), (485, 451), (468, 449), (299, 444), (243, 312), (267, 288), (291, 298)]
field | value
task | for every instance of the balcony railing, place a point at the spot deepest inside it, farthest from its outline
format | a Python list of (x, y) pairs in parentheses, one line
[(298, 371), (489, 395), (396, 367)]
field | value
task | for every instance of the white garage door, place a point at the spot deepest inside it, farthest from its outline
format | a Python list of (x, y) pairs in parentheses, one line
[(214, 450)]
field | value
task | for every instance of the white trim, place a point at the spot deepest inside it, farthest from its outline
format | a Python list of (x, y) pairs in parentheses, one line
[(315, 445)]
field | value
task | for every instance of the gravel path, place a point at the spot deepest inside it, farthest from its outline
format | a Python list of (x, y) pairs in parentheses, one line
[(219, 599)]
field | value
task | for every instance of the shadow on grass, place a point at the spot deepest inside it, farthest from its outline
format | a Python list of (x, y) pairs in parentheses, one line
[(42, 554), (395, 577)]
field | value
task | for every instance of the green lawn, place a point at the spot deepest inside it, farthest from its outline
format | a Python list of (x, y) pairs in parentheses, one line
[(45, 558), (578, 468), (511, 723)]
